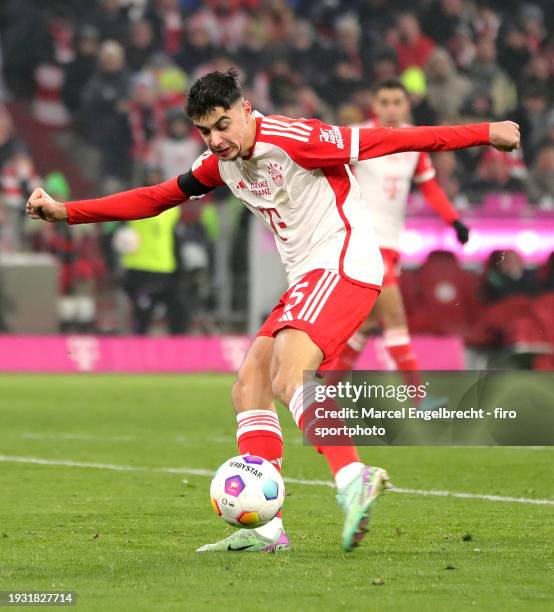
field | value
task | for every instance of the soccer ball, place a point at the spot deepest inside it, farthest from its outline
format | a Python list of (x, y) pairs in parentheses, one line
[(247, 491)]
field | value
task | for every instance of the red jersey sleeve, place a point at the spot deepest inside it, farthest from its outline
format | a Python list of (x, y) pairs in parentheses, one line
[(424, 169), (137, 203), (206, 170), (438, 200), (375, 142), (146, 202), (424, 177), (314, 144)]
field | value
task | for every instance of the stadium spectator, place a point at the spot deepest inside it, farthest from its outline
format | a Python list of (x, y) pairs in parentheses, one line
[(178, 148), (498, 172), (534, 116), (487, 77), (79, 71), (478, 107), (104, 111), (413, 47), (305, 53), (79, 265), (513, 51), (442, 19), (537, 74), (283, 83), (446, 88), (462, 48), (18, 178), (197, 48), (505, 275), (150, 265), (141, 45), (414, 80), (10, 144), (167, 23), (540, 183), (109, 19), (384, 66), (146, 119)]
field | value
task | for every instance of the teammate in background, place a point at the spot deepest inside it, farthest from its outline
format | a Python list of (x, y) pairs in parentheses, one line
[(293, 175), (385, 184)]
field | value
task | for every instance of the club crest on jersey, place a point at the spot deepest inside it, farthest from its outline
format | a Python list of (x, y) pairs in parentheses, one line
[(333, 136), (275, 171)]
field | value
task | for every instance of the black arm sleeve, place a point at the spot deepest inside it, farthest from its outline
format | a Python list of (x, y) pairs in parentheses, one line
[(191, 186)]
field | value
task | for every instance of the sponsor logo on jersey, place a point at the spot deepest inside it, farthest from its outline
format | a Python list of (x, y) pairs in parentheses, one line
[(257, 188), (332, 136), (260, 188), (275, 171)]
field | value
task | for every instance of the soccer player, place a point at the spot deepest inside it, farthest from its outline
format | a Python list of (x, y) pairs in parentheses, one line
[(293, 175), (385, 184)]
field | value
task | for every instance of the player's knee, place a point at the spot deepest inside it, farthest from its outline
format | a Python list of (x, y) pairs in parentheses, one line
[(283, 386), (237, 393), (242, 390)]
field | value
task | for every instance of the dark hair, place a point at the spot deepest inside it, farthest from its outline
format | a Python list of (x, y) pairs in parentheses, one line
[(391, 84), (212, 90)]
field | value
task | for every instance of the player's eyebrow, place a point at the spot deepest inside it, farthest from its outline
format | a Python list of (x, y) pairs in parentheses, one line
[(215, 124)]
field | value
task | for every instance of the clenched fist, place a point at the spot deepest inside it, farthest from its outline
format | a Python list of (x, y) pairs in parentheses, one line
[(504, 135), (41, 206)]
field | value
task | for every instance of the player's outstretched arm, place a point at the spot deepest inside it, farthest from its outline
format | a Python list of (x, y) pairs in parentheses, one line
[(375, 142), (137, 203)]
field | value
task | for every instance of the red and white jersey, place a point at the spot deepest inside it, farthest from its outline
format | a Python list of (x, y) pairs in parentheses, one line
[(385, 185), (296, 182)]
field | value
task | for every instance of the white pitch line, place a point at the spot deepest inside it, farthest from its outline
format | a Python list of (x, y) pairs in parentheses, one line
[(76, 436), (85, 437), (317, 483), (461, 495)]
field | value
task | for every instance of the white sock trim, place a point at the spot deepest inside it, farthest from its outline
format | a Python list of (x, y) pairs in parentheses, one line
[(258, 420), (347, 474), (303, 397), (357, 342), (398, 336), (271, 530)]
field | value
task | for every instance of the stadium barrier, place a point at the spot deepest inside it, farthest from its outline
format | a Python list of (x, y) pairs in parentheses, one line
[(67, 354)]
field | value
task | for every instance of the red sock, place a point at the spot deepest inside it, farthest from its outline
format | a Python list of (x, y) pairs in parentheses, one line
[(259, 433), (400, 349), (302, 407)]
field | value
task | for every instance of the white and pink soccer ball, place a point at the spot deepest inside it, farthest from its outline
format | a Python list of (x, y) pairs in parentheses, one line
[(247, 491)]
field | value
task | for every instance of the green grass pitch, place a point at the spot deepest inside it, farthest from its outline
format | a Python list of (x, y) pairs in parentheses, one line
[(124, 539)]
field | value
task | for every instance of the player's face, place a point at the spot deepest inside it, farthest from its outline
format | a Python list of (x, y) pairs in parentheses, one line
[(391, 107), (227, 131)]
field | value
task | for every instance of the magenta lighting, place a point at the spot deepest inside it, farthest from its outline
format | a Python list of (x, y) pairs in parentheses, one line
[(532, 236)]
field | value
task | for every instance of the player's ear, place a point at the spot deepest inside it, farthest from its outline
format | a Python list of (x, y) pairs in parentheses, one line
[(247, 109)]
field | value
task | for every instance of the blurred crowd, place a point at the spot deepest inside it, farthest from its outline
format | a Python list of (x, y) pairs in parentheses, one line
[(114, 72), (117, 71)]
